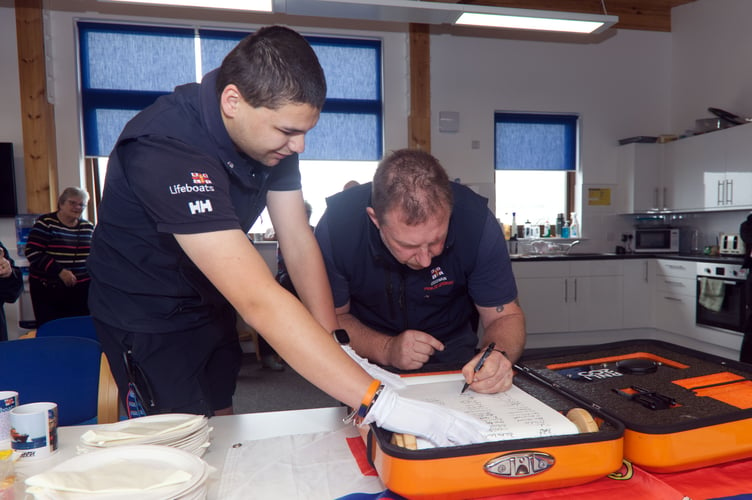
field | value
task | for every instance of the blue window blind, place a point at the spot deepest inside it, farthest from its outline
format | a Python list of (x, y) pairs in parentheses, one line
[(124, 68), (535, 141)]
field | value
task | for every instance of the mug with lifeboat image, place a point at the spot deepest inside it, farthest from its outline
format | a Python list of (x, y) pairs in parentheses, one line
[(33, 430), (8, 401)]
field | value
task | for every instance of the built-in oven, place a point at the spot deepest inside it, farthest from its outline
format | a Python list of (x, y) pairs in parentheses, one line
[(721, 296)]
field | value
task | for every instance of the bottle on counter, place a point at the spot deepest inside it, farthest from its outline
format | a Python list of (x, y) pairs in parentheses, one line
[(528, 229), (513, 231), (547, 230), (565, 230), (574, 227), (559, 224)]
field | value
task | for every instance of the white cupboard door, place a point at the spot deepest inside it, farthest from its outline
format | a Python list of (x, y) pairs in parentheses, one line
[(543, 300), (640, 168), (675, 312), (638, 294), (597, 303), (686, 160), (739, 188), (715, 189)]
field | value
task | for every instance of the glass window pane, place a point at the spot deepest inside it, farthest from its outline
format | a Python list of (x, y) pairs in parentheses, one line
[(321, 179), (537, 196)]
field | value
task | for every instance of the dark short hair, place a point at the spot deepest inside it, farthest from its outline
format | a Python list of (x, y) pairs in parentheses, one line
[(413, 182), (273, 67)]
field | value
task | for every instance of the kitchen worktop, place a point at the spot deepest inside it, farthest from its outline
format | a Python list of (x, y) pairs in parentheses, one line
[(721, 259)]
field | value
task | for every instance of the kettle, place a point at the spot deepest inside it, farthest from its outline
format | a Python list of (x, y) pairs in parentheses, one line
[(730, 244), (689, 241)]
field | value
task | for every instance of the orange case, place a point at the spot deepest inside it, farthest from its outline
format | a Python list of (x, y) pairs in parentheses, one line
[(520, 465), (709, 428)]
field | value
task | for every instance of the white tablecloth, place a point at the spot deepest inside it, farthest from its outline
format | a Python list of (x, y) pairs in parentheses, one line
[(227, 430)]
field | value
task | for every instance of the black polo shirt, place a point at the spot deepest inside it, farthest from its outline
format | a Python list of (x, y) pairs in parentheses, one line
[(174, 170), (474, 268)]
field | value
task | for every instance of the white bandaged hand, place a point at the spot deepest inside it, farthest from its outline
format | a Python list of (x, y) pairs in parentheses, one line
[(387, 378), (439, 425)]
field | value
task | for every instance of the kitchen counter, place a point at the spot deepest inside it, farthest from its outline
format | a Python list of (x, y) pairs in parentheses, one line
[(721, 259)]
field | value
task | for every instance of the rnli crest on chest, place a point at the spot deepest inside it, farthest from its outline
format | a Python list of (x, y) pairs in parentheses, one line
[(438, 279)]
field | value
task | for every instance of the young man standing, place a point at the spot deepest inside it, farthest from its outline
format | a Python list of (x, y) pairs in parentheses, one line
[(171, 260)]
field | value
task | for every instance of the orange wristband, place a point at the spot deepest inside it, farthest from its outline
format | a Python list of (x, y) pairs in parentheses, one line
[(368, 398)]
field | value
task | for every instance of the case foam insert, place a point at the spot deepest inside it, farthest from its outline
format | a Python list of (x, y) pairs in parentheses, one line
[(601, 378)]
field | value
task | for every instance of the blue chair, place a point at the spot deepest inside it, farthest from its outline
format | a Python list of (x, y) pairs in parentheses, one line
[(70, 371), (74, 326)]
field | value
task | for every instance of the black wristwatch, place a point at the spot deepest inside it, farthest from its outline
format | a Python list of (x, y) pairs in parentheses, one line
[(341, 336)]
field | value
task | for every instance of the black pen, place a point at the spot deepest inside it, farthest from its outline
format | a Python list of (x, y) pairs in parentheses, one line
[(482, 360)]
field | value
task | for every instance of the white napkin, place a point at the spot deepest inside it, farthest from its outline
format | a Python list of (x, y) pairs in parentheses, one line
[(137, 429), (117, 476), (312, 466)]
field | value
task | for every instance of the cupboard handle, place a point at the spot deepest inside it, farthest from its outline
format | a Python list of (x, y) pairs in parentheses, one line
[(719, 193), (669, 282), (566, 291), (730, 192), (673, 298), (665, 197), (575, 289)]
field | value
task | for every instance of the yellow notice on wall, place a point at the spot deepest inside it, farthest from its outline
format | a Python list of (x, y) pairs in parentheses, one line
[(599, 196)]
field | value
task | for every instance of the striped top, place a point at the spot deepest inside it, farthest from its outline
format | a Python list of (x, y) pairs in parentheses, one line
[(53, 246)]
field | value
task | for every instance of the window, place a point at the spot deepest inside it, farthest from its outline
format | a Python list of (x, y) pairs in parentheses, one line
[(535, 161), (124, 68)]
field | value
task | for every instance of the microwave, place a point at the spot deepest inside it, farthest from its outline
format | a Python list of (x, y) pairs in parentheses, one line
[(656, 240)]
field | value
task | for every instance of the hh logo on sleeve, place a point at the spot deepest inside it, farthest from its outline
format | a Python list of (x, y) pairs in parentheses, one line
[(200, 207)]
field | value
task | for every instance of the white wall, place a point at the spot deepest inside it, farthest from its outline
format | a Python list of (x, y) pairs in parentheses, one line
[(710, 61), (619, 87), (710, 67)]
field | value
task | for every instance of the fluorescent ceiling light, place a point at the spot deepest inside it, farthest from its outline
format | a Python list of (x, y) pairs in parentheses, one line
[(434, 12), (413, 11), (253, 5), (528, 23)]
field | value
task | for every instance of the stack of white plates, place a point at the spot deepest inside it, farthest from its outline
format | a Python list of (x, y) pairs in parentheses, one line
[(146, 472), (177, 430)]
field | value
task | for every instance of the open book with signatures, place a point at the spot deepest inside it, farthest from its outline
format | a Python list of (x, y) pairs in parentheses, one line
[(513, 414)]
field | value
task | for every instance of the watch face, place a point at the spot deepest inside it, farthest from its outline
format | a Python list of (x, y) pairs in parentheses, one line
[(341, 336)]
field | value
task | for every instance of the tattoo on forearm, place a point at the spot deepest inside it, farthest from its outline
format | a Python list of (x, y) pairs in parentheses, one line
[(500, 308)]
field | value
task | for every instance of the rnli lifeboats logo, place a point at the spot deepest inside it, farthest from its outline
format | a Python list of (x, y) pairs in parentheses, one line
[(436, 273), (519, 464), (200, 183), (200, 178), (438, 279)]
